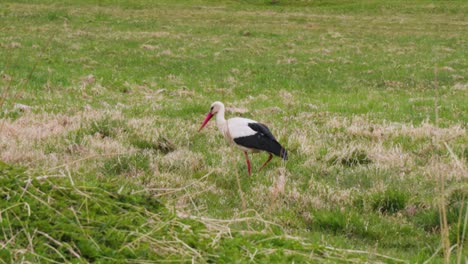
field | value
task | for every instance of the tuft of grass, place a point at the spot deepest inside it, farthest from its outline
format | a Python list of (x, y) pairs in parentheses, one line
[(355, 157), (107, 127), (161, 144), (333, 221), (389, 201), (429, 217), (128, 164)]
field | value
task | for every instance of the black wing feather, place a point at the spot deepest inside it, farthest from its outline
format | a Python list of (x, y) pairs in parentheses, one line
[(262, 140), (262, 129)]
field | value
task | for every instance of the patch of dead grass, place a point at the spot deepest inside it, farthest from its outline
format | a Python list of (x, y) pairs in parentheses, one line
[(25, 139), (237, 110), (386, 158), (144, 125), (330, 196), (450, 168), (362, 127), (183, 159), (149, 47), (461, 86), (306, 140), (107, 146), (37, 126)]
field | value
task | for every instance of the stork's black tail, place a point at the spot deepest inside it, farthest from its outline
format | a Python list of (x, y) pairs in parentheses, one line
[(278, 150), (284, 154)]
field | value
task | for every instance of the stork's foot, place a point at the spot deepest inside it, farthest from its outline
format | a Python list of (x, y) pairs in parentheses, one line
[(266, 162), (248, 162)]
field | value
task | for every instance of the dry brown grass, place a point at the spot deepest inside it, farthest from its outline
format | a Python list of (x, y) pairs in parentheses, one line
[(18, 138), (361, 126), (24, 140)]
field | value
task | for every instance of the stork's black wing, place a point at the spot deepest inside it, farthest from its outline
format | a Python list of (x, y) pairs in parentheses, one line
[(262, 129), (262, 140)]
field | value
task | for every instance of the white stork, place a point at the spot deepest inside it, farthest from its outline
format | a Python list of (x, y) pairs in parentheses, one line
[(248, 135)]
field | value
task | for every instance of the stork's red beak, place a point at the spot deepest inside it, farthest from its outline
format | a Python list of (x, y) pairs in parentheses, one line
[(208, 117)]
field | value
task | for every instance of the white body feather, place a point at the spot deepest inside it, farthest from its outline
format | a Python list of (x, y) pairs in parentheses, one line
[(235, 128)]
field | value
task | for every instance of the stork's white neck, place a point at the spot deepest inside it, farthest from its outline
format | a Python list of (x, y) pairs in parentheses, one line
[(222, 123), (220, 120)]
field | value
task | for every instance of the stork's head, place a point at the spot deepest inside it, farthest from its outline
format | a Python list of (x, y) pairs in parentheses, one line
[(215, 108)]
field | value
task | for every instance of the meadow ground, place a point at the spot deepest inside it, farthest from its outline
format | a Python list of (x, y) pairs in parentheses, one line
[(101, 159)]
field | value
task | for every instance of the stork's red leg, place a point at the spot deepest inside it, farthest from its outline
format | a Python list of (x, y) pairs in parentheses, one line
[(248, 161), (266, 162)]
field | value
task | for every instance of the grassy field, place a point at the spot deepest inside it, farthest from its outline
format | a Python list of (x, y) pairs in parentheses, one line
[(101, 160)]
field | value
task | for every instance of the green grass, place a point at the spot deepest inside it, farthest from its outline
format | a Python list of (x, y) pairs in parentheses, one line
[(369, 98)]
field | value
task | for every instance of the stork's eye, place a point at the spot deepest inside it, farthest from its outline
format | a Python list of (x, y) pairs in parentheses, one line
[(211, 109)]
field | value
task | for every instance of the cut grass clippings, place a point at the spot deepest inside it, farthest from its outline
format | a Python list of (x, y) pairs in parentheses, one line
[(56, 220)]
